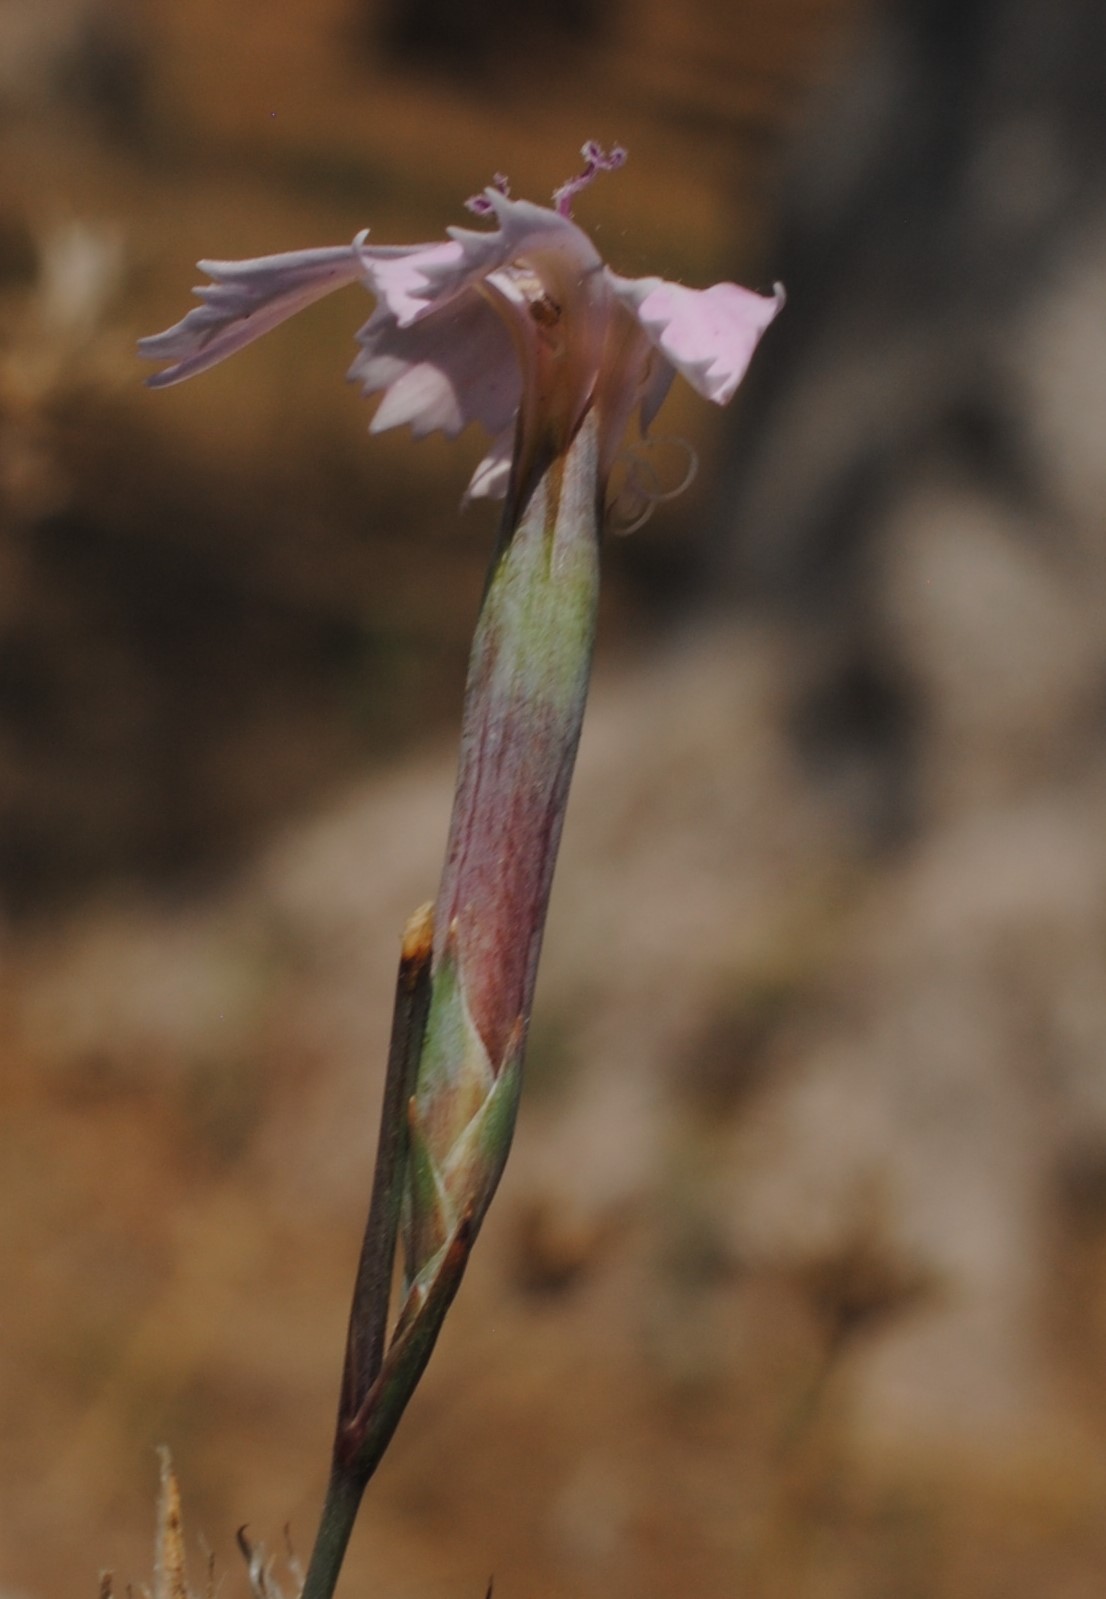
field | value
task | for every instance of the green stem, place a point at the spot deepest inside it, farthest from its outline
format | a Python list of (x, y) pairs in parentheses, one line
[(343, 1499), (368, 1320), (465, 989), (372, 1287)]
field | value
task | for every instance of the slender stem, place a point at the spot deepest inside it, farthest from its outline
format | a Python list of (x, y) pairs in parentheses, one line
[(368, 1318), (385, 1404), (410, 1350), (372, 1287), (466, 984), (343, 1498)]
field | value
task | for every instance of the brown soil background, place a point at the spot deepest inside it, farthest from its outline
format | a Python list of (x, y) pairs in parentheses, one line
[(796, 1285)]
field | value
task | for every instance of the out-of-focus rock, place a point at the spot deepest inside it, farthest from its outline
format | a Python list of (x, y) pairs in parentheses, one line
[(917, 497)]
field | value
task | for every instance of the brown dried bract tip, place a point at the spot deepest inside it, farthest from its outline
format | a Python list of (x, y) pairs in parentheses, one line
[(418, 936)]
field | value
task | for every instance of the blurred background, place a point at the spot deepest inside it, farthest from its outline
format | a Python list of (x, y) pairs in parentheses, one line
[(796, 1284)]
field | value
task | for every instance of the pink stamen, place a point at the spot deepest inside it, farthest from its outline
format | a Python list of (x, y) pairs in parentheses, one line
[(596, 160), (480, 205)]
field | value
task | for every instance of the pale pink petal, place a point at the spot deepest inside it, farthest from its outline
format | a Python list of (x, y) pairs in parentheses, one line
[(492, 476), (708, 335), (400, 279), (431, 274), (244, 300), (455, 366)]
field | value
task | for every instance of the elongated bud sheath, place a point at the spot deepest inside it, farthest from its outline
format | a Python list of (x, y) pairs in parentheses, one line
[(524, 704)]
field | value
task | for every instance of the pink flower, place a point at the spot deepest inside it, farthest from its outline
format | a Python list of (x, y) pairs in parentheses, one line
[(521, 328)]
